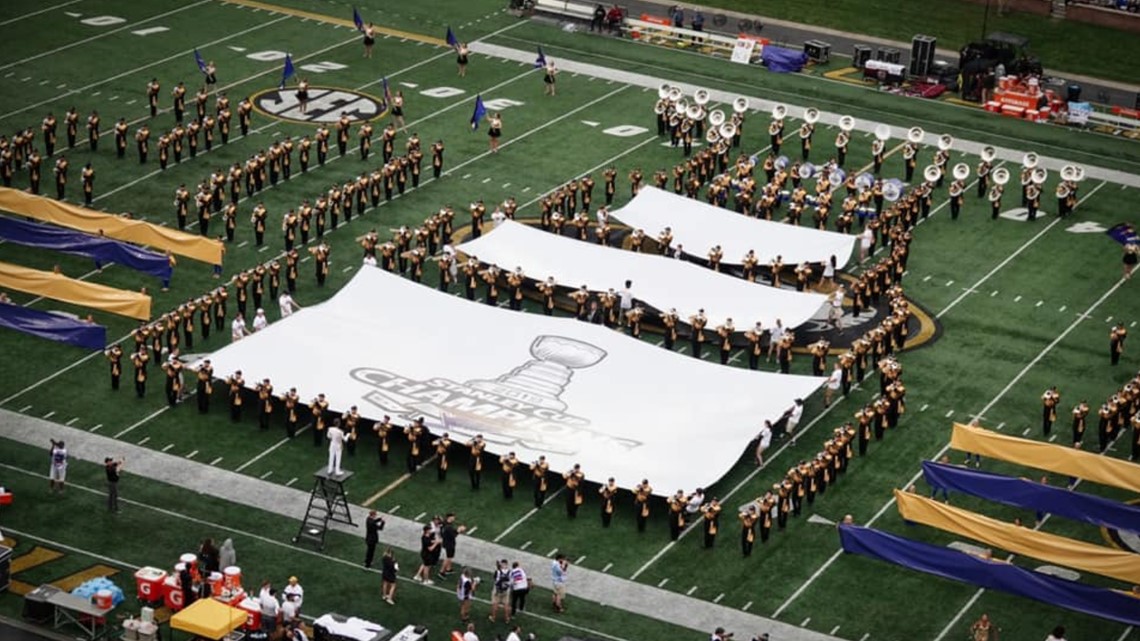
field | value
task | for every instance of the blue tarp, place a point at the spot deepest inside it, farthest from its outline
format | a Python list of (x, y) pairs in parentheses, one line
[(993, 575), (98, 248), (1034, 496), (53, 327), (783, 60)]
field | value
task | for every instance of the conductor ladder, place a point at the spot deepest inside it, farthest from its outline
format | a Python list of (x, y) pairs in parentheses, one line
[(328, 503)]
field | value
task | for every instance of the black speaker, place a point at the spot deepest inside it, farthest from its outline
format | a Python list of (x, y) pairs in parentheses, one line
[(922, 55), (817, 50), (889, 54), (860, 56)]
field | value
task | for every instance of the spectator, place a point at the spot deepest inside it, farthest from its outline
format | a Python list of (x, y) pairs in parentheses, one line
[(57, 477), (208, 557), (429, 556), (599, 18), (465, 592), (289, 611), (1058, 634), (270, 609), (558, 571), (295, 592), (114, 469), (388, 574), (501, 590), (372, 526), (698, 24), (520, 587), (678, 15), (614, 18), (227, 557), (763, 441)]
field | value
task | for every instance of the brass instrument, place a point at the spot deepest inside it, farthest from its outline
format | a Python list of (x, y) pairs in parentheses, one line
[(1040, 175), (883, 133), (988, 154), (740, 105), (811, 115), (915, 135), (995, 193), (846, 123), (945, 142), (806, 130), (961, 171), (842, 139), (716, 118), (932, 173), (702, 97), (956, 188), (1001, 176), (877, 147), (779, 112), (1030, 160)]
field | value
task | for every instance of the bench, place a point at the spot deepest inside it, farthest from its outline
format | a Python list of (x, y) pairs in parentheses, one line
[(659, 33), (566, 9)]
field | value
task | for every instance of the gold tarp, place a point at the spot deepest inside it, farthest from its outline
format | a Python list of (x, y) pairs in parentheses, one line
[(1050, 548), (208, 619), (112, 226), (1047, 456), (69, 290)]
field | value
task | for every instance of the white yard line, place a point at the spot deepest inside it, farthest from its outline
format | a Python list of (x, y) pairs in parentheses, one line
[(526, 516), (36, 13), (176, 56), (269, 450), (1001, 394), (129, 25), (143, 421)]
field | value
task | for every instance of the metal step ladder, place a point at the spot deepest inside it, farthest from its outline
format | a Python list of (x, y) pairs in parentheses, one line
[(328, 503)]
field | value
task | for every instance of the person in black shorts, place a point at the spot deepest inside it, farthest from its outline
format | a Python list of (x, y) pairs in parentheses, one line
[(429, 556), (461, 58), (303, 95), (398, 110), (448, 535), (369, 39), (211, 75), (495, 132), (1131, 252), (388, 570), (548, 78)]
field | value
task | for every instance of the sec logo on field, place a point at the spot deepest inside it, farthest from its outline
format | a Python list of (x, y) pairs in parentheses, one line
[(326, 104)]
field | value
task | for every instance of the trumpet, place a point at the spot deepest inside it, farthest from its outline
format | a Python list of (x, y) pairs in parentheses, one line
[(846, 123), (1030, 160), (915, 135), (740, 105), (811, 115), (716, 117), (961, 171), (988, 154), (702, 96), (945, 142), (1001, 176), (932, 173), (779, 112)]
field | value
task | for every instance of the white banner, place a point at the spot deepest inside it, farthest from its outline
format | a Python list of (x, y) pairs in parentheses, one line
[(535, 385), (742, 51), (660, 282), (699, 226)]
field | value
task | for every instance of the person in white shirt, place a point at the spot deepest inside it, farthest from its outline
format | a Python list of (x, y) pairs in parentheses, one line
[(515, 634), (470, 635), (865, 240), (288, 611), (520, 587), (794, 416), (286, 304), (497, 217), (57, 476), (626, 301), (337, 438), (835, 309), (1058, 634), (260, 322), (269, 609), (833, 382), (238, 330), (774, 337), (295, 592), (763, 441), (695, 501), (829, 271)]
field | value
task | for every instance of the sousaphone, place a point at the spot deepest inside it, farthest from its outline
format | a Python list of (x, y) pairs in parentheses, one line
[(915, 135), (1001, 176), (674, 94), (811, 115), (716, 117), (1030, 160), (727, 131), (779, 112), (663, 90), (702, 97), (945, 142), (807, 170), (1040, 175), (932, 173), (740, 105), (988, 154), (961, 171)]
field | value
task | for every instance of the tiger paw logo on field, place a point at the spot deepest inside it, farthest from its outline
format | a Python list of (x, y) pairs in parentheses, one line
[(325, 105), (522, 408)]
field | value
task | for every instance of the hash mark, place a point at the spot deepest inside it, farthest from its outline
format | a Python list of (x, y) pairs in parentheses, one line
[(266, 475), (49, 414), (96, 428), (1018, 299), (927, 278), (1025, 432), (291, 481), (72, 420), (607, 568), (1062, 308), (26, 408), (950, 413), (167, 448), (718, 597), (923, 409), (1039, 303), (216, 461), (552, 552), (746, 606), (144, 441), (663, 582), (192, 454), (578, 562), (805, 622), (525, 545), (422, 515), (1000, 425)]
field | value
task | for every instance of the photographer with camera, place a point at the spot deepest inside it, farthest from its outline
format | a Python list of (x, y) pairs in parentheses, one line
[(114, 469)]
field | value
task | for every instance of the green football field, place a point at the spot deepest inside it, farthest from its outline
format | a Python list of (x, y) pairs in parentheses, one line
[(1012, 308)]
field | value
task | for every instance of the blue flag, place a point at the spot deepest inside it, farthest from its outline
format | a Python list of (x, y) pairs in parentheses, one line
[(480, 111), (387, 92), (452, 41), (541, 60), (1124, 234), (198, 59), (357, 20), (288, 72)]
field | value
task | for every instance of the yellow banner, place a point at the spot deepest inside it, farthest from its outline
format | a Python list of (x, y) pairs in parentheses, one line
[(112, 226), (1047, 456), (77, 292), (1018, 539)]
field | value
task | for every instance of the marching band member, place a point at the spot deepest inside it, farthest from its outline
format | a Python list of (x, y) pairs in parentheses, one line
[(641, 495), (697, 324), (877, 149), (842, 140), (1032, 199), (711, 515), (910, 156), (995, 200), (1049, 401), (669, 322), (475, 460), (608, 492), (957, 192), (984, 168), (539, 470), (776, 135), (1116, 339), (574, 496), (725, 331), (807, 130)]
